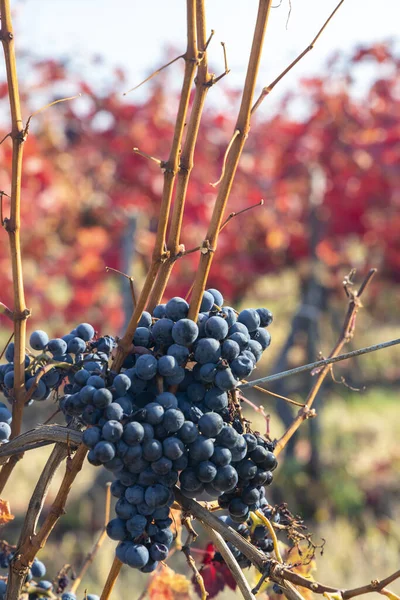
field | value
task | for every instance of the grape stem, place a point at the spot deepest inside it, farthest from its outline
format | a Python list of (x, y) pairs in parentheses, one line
[(204, 80), (345, 336), (317, 364), (192, 535), (111, 579), (31, 542), (170, 170), (13, 225), (278, 572)]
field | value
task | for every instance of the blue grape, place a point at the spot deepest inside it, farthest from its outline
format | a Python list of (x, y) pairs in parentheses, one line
[(91, 437), (76, 346), (38, 569), (161, 332), (262, 336), (158, 552), (81, 377), (256, 349), (167, 365), (159, 311), (137, 524), (226, 479), (210, 424), (185, 332), (142, 337), (124, 510), (137, 556), (250, 318), (216, 399), (242, 366), (114, 412), (208, 350), (156, 495), (239, 451), (152, 450), (39, 340), (135, 494), (176, 309), (154, 413), (201, 449), (266, 317), (207, 302), (225, 380), (9, 380), (85, 331), (102, 398), (162, 466), (105, 344), (9, 354), (206, 471), (230, 350), (116, 529), (5, 414), (68, 596), (177, 378), (240, 338), (45, 585), (164, 536), (104, 451), (145, 319), (251, 441), (246, 469), (208, 372), (239, 328), (188, 432), (41, 391), (250, 495), (228, 437), (173, 448), (57, 346), (146, 366), (167, 400), (189, 480), (218, 297), (96, 381), (216, 327), (221, 456), (179, 352), (173, 420), (112, 431), (122, 383), (117, 488), (133, 433)]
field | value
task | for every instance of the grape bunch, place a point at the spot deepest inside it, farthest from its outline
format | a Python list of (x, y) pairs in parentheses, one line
[(170, 417), (253, 530), (47, 370)]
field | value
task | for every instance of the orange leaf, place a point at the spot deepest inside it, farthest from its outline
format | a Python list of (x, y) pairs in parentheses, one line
[(5, 514), (166, 584)]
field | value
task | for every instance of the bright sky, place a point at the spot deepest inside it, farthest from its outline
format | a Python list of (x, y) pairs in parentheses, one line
[(133, 34)]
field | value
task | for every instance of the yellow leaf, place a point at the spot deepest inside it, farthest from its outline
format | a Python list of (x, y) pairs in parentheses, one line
[(5, 513)]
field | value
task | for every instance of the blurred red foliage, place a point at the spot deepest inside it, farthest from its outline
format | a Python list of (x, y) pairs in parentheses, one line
[(82, 184)]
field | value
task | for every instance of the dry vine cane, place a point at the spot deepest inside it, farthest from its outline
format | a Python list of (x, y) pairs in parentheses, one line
[(163, 258)]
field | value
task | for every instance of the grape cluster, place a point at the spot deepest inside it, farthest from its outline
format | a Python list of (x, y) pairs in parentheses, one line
[(170, 417), (35, 586), (253, 531), (55, 360)]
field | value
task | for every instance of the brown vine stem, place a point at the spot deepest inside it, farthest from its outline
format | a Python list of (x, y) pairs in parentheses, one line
[(243, 126), (4, 310), (13, 224), (92, 554), (170, 168), (268, 89), (204, 81), (230, 561), (111, 579), (192, 535), (277, 572), (30, 544), (345, 336)]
